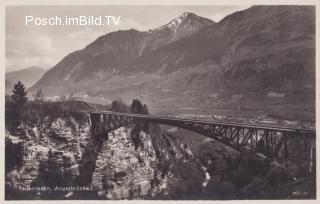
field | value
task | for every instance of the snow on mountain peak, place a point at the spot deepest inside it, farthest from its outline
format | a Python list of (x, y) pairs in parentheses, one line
[(177, 21), (186, 18)]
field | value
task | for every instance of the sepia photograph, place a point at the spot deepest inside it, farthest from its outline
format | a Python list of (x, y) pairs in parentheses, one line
[(160, 102)]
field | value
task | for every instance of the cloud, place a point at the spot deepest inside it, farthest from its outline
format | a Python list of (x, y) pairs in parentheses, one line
[(87, 33), (30, 45), (84, 37), (218, 16), (132, 23), (13, 52), (42, 46), (22, 46), (22, 52), (23, 62)]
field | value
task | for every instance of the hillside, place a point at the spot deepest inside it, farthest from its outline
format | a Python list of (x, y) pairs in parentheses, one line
[(257, 58), (110, 54), (261, 48), (28, 76)]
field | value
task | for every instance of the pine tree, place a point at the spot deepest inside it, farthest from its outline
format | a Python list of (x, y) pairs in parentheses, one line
[(19, 95), (145, 110), (115, 106), (136, 106)]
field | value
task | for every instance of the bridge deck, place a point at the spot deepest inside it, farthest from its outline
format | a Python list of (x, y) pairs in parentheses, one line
[(310, 131)]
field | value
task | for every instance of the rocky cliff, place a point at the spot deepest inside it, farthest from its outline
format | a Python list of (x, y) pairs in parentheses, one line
[(130, 164), (55, 156)]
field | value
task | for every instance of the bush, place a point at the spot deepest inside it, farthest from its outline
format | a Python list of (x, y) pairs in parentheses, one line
[(120, 106)]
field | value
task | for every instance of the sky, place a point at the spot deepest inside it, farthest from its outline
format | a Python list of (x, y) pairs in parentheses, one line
[(46, 45)]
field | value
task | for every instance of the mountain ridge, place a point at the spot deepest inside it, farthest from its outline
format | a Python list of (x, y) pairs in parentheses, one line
[(28, 76), (115, 50), (241, 53)]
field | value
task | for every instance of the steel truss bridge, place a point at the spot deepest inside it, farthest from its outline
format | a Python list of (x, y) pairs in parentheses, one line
[(267, 141)]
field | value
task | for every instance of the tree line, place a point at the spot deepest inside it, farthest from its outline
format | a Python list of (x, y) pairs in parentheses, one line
[(136, 107), (19, 96)]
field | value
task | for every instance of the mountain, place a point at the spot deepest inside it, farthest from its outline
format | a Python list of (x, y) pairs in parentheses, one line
[(176, 29), (113, 52), (28, 76), (263, 49)]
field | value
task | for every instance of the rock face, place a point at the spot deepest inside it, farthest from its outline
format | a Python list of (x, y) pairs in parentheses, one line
[(135, 162), (64, 138), (52, 147), (123, 172), (152, 168), (130, 164), (231, 175)]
